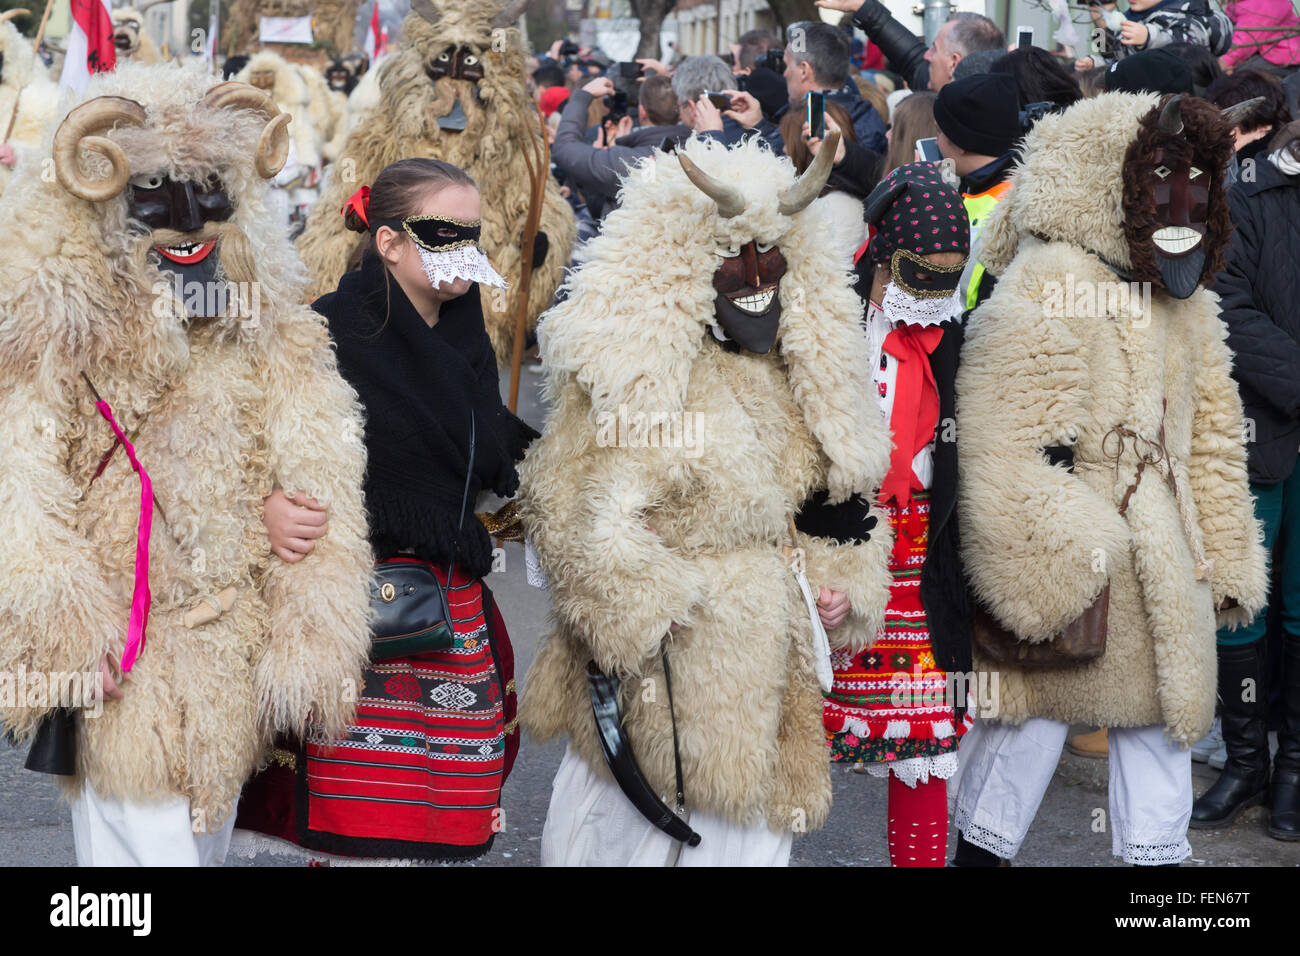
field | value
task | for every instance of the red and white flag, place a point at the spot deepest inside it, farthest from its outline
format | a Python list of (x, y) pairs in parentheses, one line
[(376, 38), (90, 43)]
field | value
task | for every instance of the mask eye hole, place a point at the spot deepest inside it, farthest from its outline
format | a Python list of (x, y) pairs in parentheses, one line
[(764, 246), (1163, 172), (444, 56), (471, 60), (728, 252), (147, 181), (1195, 172)]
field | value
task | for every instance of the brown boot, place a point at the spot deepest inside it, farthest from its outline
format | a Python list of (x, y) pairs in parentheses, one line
[(1095, 744)]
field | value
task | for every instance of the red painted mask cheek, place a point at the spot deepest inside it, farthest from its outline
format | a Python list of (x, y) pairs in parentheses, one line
[(729, 277), (771, 266)]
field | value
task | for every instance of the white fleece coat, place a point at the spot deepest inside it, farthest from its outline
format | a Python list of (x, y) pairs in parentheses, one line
[(1046, 364), (634, 539)]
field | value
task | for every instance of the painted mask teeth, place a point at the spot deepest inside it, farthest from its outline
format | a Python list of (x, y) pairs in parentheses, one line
[(757, 303), (1174, 240)]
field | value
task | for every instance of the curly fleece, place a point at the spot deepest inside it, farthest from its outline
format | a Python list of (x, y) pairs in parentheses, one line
[(226, 408), (1044, 367), (635, 538)]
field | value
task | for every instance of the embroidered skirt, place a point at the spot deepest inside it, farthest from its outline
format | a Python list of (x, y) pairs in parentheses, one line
[(890, 706), (419, 773)]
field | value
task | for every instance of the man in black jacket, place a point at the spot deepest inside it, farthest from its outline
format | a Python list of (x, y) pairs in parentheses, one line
[(598, 172), (922, 68), (1258, 290)]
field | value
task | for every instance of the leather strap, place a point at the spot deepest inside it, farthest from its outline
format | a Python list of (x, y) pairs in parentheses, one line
[(677, 753)]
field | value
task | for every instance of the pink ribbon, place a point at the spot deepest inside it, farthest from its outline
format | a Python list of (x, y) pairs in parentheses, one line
[(141, 596)]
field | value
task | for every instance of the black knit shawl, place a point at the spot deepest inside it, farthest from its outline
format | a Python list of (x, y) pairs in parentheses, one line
[(418, 385)]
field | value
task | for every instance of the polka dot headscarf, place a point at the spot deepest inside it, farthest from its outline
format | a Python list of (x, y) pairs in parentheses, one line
[(921, 213)]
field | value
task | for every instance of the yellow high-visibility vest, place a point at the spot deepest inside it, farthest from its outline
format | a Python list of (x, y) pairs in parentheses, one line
[(978, 206)]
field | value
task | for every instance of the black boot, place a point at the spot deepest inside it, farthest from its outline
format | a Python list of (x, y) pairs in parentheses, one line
[(1244, 780), (1284, 818), (968, 854)]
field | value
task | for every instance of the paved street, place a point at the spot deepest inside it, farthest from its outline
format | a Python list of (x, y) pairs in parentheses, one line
[(35, 827)]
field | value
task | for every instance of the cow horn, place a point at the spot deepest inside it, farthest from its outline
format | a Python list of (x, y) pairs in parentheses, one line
[(80, 130), (426, 9), (810, 185), (16, 12), (730, 200), (1171, 117), (510, 13), (1234, 114), (273, 146)]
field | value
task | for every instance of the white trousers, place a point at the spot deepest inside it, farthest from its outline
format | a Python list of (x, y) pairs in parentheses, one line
[(122, 833), (1005, 771), (591, 823)]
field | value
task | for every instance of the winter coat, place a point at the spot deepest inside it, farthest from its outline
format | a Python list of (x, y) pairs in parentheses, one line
[(1253, 18), (1048, 372), (636, 538), (599, 172), (1173, 21), (220, 410), (1258, 292)]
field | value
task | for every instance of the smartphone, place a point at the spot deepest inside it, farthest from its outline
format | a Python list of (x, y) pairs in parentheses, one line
[(631, 71), (927, 150), (1024, 36), (721, 101), (816, 115)]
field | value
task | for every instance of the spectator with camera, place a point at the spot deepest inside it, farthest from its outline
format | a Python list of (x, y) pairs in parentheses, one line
[(597, 170), (816, 61), (924, 69)]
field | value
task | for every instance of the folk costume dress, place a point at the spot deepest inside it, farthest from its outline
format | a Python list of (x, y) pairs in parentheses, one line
[(419, 774), (890, 708)]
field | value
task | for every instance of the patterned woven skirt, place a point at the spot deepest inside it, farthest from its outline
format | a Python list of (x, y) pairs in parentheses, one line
[(419, 773), (889, 707)]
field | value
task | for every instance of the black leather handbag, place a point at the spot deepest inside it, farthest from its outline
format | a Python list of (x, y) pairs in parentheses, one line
[(410, 613)]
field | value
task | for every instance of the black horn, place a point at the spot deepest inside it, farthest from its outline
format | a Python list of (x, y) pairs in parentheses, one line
[(1171, 117)]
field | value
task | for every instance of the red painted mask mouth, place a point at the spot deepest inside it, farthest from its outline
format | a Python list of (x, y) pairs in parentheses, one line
[(186, 254)]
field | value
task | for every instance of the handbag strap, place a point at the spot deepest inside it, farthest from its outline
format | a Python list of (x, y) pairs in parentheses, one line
[(460, 523)]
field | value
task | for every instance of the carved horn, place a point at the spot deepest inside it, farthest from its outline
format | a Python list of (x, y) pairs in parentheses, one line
[(426, 9), (80, 130), (1234, 114), (809, 186), (510, 13), (730, 200), (1171, 117), (273, 146), (16, 12)]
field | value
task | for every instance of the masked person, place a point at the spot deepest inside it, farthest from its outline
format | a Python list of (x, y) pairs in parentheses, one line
[(147, 411), (891, 708), (418, 774), (455, 91), (28, 99), (1106, 521), (698, 399)]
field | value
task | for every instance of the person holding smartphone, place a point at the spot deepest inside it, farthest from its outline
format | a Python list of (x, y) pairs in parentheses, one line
[(597, 172)]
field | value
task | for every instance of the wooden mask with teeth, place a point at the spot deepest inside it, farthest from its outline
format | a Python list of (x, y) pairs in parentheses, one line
[(1176, 212), (747, 307)]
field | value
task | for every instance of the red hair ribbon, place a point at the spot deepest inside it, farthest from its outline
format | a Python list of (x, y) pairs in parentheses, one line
[(359, 203)]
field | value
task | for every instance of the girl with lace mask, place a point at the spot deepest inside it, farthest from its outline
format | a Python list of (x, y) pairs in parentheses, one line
[(892, 711), (408, 326)]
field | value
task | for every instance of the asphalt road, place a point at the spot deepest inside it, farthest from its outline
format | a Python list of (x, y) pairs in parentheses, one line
[(35, 827)]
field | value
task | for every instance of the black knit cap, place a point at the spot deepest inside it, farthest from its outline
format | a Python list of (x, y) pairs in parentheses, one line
[(1151, 71), (980, 113), (914, 209)]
